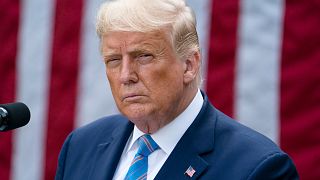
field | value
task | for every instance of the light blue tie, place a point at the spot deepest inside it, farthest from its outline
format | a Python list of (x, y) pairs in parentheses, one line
[(139, 166)]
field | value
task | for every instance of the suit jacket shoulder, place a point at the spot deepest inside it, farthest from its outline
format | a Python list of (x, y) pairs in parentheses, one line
[(99, 129), (248, 154), (83, 148)]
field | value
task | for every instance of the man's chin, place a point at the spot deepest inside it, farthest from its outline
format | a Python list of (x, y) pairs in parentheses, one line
[(134, 110), (136, 118)]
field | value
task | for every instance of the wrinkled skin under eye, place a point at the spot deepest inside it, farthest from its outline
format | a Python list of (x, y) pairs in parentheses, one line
[(145, 58), (112, 61)]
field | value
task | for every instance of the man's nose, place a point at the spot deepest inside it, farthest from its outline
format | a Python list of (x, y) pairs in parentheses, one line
[(128, 74)]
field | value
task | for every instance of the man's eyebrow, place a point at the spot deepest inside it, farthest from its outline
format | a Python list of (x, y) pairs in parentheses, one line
[(110, 52), (139, 48), (142, 48)]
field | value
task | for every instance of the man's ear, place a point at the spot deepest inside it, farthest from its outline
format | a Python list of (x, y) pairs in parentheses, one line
[(192, 66)]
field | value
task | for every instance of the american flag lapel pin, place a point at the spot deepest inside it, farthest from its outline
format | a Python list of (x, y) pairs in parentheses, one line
[(190, 171)]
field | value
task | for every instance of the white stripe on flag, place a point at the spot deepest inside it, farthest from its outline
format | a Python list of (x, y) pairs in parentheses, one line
[(202, 10), (257, 79), (33, 69), (95, 99)]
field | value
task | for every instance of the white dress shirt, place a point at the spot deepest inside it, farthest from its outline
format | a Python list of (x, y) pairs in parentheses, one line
[(167, 138)]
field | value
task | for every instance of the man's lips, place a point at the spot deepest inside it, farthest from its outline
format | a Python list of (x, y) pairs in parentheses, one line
[(132, 97)]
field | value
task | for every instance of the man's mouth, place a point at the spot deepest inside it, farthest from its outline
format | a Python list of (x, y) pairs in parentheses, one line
[(132, 97)]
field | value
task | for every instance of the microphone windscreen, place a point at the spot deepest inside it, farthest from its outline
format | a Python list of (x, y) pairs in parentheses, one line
[(18, 115)]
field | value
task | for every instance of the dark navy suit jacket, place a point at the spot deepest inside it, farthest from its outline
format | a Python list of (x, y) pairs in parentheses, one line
[(216, 146)]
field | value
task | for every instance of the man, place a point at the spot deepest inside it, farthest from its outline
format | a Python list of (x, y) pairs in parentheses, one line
[(168, 129)]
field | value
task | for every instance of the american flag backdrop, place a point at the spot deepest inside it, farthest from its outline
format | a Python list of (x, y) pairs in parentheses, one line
[(261, 65)]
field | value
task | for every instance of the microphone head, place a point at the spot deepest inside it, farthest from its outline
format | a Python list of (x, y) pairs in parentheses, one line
[(18, 115)]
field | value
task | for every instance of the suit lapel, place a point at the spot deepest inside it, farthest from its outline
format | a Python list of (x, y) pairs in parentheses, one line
[(197, 140), (108, 153), (177, 165)]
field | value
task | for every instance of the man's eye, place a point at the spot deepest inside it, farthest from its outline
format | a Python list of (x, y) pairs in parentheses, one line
[(112, 62), (114, 59), (145, 58)]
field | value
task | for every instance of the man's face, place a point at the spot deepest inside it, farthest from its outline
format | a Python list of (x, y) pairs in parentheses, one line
[(146, 77)]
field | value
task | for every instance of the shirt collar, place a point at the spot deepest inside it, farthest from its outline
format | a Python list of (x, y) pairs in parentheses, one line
[(168, 136)]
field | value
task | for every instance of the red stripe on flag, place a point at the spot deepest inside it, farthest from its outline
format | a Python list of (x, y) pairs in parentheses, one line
[(9, 20), (64, 79), (221, 63), (300, 86)]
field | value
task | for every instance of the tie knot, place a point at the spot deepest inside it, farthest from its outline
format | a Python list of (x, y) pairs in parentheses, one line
[(146, 145)]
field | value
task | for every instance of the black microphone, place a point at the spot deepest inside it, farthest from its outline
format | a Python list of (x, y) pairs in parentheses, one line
[(13, 115)]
